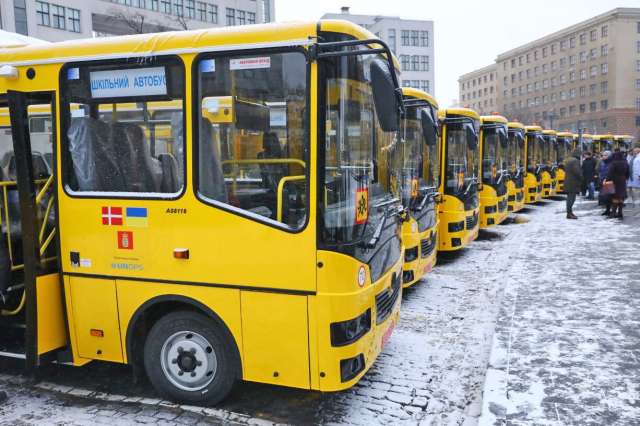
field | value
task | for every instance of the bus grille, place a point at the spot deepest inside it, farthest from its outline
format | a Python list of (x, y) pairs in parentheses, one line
[(427, 245), (386, 299), (472, 221)]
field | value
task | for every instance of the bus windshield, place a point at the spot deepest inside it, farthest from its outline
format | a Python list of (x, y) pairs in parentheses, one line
[(360, 167), (516, 142), (493, 161), (535, 143), (561, 149), (462, 159)]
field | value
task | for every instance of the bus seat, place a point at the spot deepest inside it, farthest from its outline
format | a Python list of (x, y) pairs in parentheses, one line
[(212, 184), (94, 159), (142, 172), (40, 167), (271, 173), (170, 179)]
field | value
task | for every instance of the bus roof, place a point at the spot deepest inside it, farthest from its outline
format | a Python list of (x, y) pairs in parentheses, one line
[(533, 128), (419, 94), (175, 42), (515, 125), (566, 135), (493, 119), (622, 137), (549, 132), (600, 137), (466, 112)]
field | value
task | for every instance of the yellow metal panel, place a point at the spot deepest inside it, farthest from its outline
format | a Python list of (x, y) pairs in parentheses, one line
[(275, 338), (95, 307), (51, 322), (224, 302)]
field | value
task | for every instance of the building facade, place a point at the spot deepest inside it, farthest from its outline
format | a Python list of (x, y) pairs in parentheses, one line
[(586, 76), (479, 90), (410, 40), (58, 20)]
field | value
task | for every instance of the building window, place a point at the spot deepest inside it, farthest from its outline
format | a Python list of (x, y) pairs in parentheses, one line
[(424, 39), (241, 17), (583, 108), (572, 59), (572, 93), (637, 46), (593, 71), (165, 6), (191, 9), (404, 60), (405, 37), (544, 52), (212, 13), (583, 56), (604, 50), (554, 66), (604, 68), (42, 11), (592, 106), (231, 16), (251, 18), (201, 11), (593, 35), (513, 63), (520, 61), (572, 42), (415, 38), (593, 53), (553, 49), (604, 31), (73, 16), (20, 15), (392, 39), (572, 110), (58, 13), (563, 44), (583, 39), (178, 7), (638, 104), (415, 63), (583, 91), (637, 65), (553, 82), (424, 86), (638, 83), (153, 4), (592, 89), (637, 121), (563, 79), (583, 74), (424, 63), (604, 104)]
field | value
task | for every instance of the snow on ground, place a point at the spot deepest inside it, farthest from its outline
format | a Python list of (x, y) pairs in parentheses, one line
[(546, 306)]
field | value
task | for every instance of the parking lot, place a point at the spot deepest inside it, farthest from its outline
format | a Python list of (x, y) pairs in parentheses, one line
[(539, 314)]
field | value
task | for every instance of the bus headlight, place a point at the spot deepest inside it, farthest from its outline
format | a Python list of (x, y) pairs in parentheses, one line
[(346, 332), (411, 254), (456, 226)]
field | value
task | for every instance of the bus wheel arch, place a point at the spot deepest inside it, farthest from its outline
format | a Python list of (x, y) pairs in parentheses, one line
[(158, 309)]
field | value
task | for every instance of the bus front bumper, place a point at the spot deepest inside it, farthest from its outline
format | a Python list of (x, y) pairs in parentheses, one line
[(422, 257)]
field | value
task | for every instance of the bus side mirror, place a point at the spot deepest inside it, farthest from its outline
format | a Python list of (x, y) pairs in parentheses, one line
[(472, 136), (384, 96), (504, 140), (429, 128)]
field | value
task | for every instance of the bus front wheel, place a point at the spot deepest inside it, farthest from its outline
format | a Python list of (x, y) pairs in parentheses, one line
[(189, 359)]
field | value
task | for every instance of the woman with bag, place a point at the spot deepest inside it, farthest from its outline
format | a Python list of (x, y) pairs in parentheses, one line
[(604, 198), (618, 173)]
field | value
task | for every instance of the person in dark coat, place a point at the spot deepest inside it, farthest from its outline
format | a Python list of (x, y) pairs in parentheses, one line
[(588, 176), (618, 173), (603, 168), (572, 181)]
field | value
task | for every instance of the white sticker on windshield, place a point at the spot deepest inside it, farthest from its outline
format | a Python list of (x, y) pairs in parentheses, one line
[(250, 63), (73, 73), (128, 82), (208, 65)]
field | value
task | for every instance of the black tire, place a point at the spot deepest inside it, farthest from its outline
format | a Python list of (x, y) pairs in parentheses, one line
[(227, 370)]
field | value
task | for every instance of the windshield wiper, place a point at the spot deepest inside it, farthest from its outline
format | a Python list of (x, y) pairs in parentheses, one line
[(427, 197), (388, 213)]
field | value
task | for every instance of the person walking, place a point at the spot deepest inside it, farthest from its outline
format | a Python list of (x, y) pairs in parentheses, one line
[(618, 173), (588, 176), (634, 176), (572, 181), (603, 168)]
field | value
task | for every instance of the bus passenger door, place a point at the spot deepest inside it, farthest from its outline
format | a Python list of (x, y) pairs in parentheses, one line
[(31, 162)]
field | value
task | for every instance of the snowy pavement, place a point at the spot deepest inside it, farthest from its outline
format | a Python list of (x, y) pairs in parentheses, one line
[(554, 350), (567, 343)]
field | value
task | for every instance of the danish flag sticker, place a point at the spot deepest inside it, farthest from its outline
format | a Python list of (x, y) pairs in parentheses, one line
[(112, 215)]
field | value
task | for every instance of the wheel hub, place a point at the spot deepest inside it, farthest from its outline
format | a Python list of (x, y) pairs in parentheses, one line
[(188, 360)]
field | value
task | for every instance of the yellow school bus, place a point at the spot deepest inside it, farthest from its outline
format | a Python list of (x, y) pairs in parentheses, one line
[(493, 151), (533, 155), (516, 162), (549, 163), (421, 173), (623, 142), (459, 211), (563, 150), (602, 143), (257, 240)]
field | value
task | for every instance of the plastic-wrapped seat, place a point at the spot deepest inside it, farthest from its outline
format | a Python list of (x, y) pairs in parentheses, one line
[(170, 178), (142, 172)]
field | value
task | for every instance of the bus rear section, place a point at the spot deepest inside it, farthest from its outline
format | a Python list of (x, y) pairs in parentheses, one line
[(623, 142), (420, 177), (459, 212), (548, 178), (244, 229), (563, 150), (602, 143), (517, 159), (534, 166), (494, 143)]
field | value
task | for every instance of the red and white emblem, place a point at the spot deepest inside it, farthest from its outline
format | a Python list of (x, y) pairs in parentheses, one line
[(112, 215)]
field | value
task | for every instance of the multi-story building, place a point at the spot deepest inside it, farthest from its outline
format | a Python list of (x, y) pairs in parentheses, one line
[(57, 20), (584, 76), (410, 40), (478, 90)]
